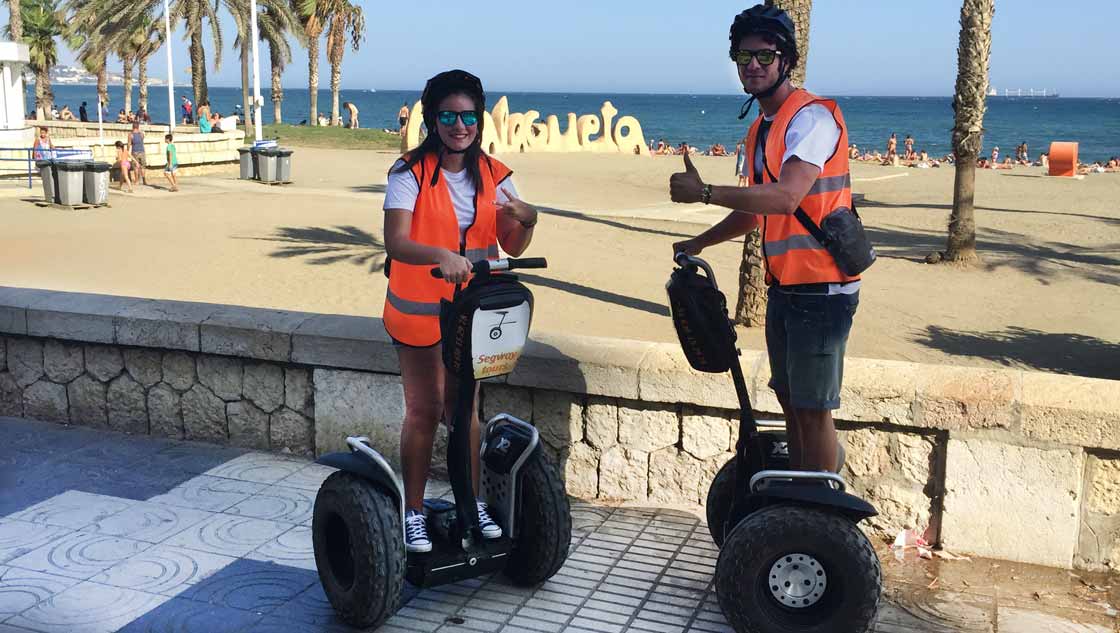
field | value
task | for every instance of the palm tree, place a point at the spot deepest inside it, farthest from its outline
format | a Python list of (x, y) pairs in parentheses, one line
[(146, 38), (15, 20), (192, 12), (42, 23), (275, 25), (271, 15), (85, 34), (750, 309), (311, 19), (969, 104), (343, 18)]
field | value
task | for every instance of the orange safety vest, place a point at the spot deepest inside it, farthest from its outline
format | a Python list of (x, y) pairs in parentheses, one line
[(412, 300), (793, 256)]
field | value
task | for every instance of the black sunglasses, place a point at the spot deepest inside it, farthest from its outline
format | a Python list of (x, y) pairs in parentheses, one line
[(447, 117), (765, 56)]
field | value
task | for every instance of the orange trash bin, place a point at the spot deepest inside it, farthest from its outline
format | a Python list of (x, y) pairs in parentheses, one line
[(1063, 158)]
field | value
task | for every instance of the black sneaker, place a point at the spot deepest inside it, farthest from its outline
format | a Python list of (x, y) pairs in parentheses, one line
[(416, 532), (489, 528)]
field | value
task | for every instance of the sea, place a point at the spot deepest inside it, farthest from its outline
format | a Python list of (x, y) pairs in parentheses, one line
[(703, 120)]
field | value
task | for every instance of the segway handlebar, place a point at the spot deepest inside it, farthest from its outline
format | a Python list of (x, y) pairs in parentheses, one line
[(487, 266), (684, 260)]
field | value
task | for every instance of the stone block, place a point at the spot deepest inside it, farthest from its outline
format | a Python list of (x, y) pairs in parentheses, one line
[(165, 417), (25, 360), (88, 402), (674, 476), (45, 401), (914, 456), (204, 416), (1071, 410), (62, 362), (251, 332), (558, 415), (248, 425), (581, 365), (11, 396), (601, 422), (350, 403), (103, 362), (647, 428), (666, 376), (297, 390), (580, 465), (1104, 486), (866, 454), (144, 365), (77, 316), (291, 432), (346, 342), (222, 375), (624, 474), (704, 433), (13, 307), (128, 407), (956, 398), (264, 385), (163, 324), (993, 489), (900, 507), (499, 398), (878, 391), (178, 370)]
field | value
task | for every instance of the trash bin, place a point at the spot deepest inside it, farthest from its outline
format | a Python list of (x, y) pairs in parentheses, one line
[(46, 173), (70, 181), (269, 161), (284, 168), (246, 162), (96, 182), (255, 152)]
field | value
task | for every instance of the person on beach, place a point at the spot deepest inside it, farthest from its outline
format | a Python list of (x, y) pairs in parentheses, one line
[(740, 161), (43, 147), (187, 109), (172, 165), (795, 164), (139, 158), (83, 114), (995, 156), (353, 110), (124, 163), (892, 147), (908, 143), (447, 204), (202, 115), (402, 116)]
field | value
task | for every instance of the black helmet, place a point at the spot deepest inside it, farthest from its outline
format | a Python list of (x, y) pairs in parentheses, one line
[(448, 83), (770, 20)]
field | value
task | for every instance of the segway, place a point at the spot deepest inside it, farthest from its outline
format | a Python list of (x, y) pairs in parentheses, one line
[(358, 521), (791, 556)]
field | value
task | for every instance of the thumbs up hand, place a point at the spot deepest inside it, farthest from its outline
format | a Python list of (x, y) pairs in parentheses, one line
[(686, 186)]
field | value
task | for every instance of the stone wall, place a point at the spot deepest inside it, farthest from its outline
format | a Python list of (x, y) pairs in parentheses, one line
[(191, 147), (1001, 463)]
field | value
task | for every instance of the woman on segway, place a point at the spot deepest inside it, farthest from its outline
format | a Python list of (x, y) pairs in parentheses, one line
[(447, 204)]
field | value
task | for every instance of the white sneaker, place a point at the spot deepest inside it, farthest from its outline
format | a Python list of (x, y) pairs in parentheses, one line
[(489, 528), (416, 532)]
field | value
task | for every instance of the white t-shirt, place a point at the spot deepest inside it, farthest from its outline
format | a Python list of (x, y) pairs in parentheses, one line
[(813, 137), (402, 189)]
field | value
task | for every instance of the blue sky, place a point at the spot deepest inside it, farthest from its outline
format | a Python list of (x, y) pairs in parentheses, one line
[(864, 47)]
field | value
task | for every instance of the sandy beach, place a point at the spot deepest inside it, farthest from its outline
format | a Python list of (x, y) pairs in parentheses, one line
[(1045, 296)]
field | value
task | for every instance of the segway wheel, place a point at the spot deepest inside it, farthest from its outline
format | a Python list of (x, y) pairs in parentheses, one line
[(359, 552), (793, 568), (544, 522), (718, 505)]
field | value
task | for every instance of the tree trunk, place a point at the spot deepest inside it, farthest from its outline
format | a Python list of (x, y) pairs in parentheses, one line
[(969, 104), (248, 117), (15, 20), (798, 11), (750, 309), (198, 62), (142, 79), (336, 81), (126, 71), (277, 92), (44, 99), (313, 79), (103, 81)]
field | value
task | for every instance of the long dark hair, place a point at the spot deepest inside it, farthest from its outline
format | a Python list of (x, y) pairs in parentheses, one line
[(438, 88)]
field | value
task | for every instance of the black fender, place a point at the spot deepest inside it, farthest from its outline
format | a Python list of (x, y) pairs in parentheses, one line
[(358, 464), (823, 497)]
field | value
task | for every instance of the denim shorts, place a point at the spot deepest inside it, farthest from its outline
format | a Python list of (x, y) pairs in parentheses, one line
[(806, 335)]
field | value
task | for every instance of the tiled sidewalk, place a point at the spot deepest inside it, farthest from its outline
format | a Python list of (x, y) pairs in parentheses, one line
[(103, 532)]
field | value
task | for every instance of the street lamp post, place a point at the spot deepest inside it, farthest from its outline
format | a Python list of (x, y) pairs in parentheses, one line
[(170, 73), (256, 110)]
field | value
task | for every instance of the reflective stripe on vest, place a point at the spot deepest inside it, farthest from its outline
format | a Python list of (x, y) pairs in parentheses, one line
[(412, 301), (793, 256)]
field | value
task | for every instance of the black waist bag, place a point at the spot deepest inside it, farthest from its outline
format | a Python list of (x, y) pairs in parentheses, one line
[(699, 313), (842, 234)]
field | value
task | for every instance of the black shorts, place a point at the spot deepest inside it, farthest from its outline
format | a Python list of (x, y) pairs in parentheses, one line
[(402, 120)]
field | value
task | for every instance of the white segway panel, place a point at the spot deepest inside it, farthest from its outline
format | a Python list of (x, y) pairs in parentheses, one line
[(497, 338)]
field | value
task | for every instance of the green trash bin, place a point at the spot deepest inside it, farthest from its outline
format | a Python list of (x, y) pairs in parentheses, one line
[(96, 182), (70, 181)]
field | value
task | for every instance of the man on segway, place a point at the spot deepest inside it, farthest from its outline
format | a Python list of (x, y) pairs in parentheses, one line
[(799, 184)]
